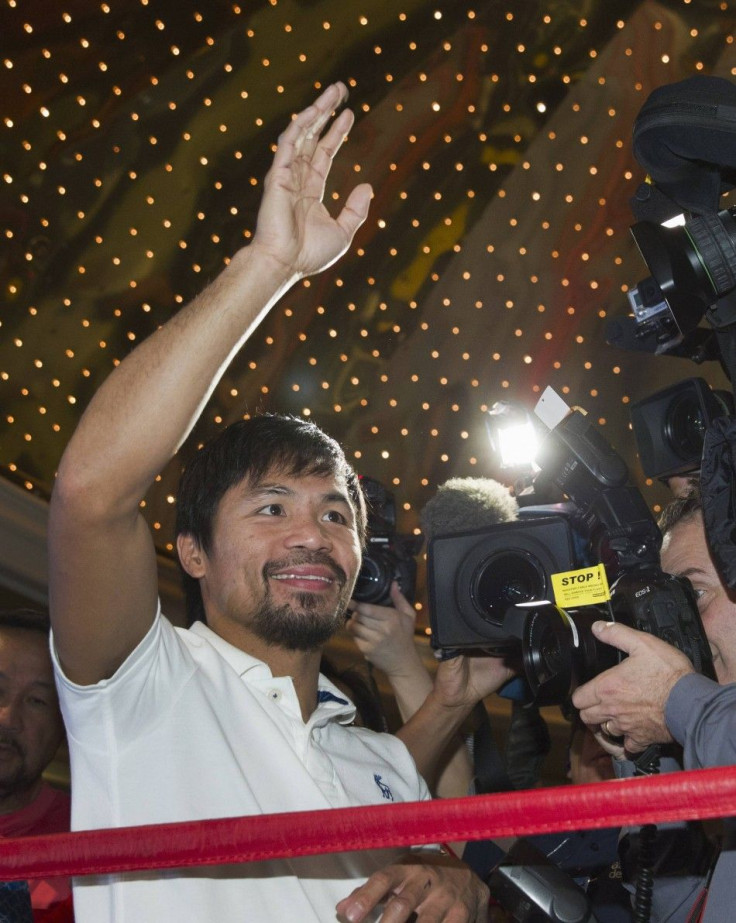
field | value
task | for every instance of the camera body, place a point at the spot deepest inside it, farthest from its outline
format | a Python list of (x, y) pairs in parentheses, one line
[(388, 556), (560, 652), (492, 590)]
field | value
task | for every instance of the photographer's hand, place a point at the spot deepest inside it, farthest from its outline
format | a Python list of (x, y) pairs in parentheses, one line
[(466, 679), (629, 700), (385, 635), (460, 683)]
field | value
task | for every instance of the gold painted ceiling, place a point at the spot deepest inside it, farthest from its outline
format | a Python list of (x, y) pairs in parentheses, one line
[(135, 136)]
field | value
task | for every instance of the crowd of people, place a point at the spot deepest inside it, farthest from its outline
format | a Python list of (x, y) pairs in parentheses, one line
[(236, 715)]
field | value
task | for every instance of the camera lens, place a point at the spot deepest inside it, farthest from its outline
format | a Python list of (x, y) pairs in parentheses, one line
[(684, 426), (559, 650), (504, 580), (374, 580)]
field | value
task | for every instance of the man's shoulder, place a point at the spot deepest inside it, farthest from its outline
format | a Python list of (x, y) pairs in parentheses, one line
[(49, 812), (701, 716), (694, 691), (57, 816)]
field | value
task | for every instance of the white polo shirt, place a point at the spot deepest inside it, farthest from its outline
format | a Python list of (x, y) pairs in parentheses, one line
[(191, 727)]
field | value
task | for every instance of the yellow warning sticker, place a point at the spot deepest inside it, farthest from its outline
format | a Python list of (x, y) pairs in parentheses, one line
[(581, 587)]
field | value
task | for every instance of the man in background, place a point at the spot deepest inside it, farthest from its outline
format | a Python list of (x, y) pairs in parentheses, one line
[(31, 730), (655, 696)]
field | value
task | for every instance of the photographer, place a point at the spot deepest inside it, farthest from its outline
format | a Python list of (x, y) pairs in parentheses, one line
[(384, 634), (385, 637), (655, 696)]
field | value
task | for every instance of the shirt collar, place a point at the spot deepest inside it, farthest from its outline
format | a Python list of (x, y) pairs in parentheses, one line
[(241, 662), (330, 700)]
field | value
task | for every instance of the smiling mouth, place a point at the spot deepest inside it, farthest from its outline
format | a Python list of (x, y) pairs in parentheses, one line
[(312, 577), (312, 572)]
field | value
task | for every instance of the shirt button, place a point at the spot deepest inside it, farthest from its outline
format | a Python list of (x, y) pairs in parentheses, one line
[(275, 694)]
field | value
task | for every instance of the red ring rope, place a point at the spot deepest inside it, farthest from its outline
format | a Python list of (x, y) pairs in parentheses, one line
[(705, 793)]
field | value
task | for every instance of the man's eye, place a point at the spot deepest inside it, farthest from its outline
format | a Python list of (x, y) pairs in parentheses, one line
[(273, 509), (38, 703), (701, 597), (336, 516)]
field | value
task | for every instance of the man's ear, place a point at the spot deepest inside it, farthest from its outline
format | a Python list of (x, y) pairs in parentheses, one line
[(190, 555)]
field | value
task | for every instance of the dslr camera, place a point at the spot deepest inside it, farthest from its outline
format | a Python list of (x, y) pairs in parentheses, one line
[(388, 556), (495, 589)]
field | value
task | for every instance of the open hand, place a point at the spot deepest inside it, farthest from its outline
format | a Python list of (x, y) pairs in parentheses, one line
[(294, 228)]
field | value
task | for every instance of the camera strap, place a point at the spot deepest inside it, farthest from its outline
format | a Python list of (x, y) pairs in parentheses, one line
[(489, 776), (489, 769), (697, 911)]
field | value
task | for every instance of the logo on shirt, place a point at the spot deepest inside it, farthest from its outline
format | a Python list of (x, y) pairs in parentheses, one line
[(385, 790)]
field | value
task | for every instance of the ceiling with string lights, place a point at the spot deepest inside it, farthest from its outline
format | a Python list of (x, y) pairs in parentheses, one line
[(135, 137)]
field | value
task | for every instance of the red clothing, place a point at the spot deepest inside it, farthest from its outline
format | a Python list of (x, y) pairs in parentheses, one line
[(49, 812)]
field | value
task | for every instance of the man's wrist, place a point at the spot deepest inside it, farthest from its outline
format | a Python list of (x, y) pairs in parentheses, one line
[(446, 710), (409, 669), (256, 257)]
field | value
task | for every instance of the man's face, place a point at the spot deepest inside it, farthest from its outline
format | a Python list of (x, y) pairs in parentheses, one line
[(685, 552), (31, 727), (284, 558)]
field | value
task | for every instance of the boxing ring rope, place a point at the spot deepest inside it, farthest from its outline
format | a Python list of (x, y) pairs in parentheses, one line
[(700, 794)]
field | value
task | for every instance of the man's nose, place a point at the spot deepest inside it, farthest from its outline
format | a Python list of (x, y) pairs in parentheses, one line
[(11, 715), (307, 532)]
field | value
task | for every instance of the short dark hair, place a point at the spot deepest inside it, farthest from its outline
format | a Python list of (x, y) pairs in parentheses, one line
[(251, 449), (681, 509), (27, 619)]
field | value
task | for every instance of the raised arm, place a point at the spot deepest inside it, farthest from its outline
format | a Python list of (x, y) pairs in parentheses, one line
[(102, 562)]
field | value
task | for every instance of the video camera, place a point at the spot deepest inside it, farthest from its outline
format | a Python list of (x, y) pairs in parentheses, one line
[(693, 268), (670, 425), (388, 556), (495, 589), (683, 137)]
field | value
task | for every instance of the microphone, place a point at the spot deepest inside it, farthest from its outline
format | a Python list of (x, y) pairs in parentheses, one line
[(465, 504)]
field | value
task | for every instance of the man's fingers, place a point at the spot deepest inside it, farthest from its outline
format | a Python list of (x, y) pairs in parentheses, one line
[(355, 210), (359, 904), (306, 127), (615, 748), (332, 140), (397, 597), (312, 120), (617, 635)]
